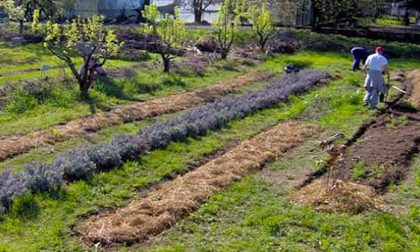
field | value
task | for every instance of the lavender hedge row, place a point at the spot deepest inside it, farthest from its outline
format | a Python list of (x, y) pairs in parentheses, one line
[(83, 161)]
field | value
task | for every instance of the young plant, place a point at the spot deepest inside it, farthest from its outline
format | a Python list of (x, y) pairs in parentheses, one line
[(87, 39), (169, 30), (227, 24), (262, 25)]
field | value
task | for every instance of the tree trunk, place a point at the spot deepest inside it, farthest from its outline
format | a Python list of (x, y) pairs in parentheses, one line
[(407, 18), (224, 53), (84, 88), (21, 27), (198, 15), (166, 64), (140, 18)]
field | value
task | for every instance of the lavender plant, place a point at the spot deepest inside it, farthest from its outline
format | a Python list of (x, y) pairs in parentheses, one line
[(82, 162)]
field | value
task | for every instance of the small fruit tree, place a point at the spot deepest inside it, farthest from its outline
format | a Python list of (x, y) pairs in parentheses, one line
[(169, 30), (262, 25), (227, 24), (86, 38), (14, 11)]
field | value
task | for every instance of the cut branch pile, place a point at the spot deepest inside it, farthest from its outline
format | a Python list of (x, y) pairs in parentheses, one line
[(175, 199), (16, 145)]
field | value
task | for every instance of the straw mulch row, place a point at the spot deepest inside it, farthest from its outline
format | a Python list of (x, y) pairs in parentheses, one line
[(175, 199), (414, 78), (18, 144)]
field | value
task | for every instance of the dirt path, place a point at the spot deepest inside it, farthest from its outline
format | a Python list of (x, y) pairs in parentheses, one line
[(175, 199), (14, 145)]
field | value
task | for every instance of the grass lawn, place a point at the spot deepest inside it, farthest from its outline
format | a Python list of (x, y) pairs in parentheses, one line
[(252, 215)]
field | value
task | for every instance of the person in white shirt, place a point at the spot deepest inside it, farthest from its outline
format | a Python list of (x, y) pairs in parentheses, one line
[(375, 85)]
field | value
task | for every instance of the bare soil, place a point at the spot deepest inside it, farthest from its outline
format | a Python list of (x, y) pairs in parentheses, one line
[(160, 209), (385, 152), (18, 144)]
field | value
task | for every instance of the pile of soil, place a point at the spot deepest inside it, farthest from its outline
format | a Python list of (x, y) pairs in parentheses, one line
[(150, 215), (342, 197), (283, 42), (142, 41), (207, 44)]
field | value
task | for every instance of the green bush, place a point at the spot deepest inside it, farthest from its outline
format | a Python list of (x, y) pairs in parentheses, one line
[(340, 43)]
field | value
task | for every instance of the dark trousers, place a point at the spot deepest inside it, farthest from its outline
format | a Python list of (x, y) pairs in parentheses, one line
[(359, 55)]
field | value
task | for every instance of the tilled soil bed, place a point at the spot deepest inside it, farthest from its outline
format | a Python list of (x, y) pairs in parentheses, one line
[(161, 208), (14, 145), (384, 153)]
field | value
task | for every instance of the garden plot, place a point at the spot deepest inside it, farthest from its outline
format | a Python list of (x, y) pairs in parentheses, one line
[(82, 162), (15, 145), (163, 207), (378, 156)]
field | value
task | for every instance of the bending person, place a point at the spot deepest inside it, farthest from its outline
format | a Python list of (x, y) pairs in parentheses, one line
[(359, 54)]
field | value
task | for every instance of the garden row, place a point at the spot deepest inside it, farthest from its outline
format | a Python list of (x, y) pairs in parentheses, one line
[(18, 144), (82, 162), (161, 208)]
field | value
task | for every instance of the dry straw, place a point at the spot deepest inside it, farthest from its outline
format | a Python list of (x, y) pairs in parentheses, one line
[(414, 79), (175, 199), (340, 196)]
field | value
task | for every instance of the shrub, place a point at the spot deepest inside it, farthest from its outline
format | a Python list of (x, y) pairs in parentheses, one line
[(43, 177), (12, 185)]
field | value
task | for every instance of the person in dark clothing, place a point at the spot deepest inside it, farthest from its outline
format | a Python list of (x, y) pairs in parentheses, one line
[(359, 54)]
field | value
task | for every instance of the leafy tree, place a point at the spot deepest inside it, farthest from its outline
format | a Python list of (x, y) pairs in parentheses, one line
[(335, 12), (140, 17), (50, 9), (262, 23), (86, 38), (227, 23), (410, 5), (15, 11), (169, 30), (21, 10)]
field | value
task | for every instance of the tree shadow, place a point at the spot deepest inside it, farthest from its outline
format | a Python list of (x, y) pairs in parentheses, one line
[(110, 88)]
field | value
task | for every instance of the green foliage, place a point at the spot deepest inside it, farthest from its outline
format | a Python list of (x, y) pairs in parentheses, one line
[(87, 38), (344, 12), (14, 11), (23, 100), (170, 31), (358, 171), (227, 24), (262, 23)]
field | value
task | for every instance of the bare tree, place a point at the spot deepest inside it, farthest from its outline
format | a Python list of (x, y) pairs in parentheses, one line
[(198, 6)]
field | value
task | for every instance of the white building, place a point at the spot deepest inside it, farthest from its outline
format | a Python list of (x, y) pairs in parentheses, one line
[(113, 8)]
